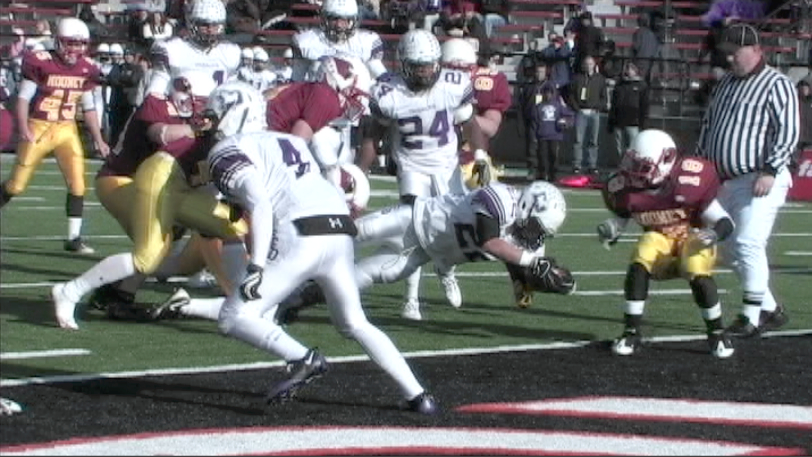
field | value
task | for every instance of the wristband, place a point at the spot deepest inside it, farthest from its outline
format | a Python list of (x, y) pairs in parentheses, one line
[(526, 259)]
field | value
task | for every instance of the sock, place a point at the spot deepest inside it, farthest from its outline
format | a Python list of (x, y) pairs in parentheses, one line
[(383, 352), (74, 227), (753, 313), (381, 160), (413, 285), (713, 317), (204, 308), (769, 304), (633, 313), (5, 197), (109, 270)]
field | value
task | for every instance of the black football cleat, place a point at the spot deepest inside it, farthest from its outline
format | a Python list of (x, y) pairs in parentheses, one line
[(302, 372), (78, 246), (742, 328), (628, 343), (720, 344), (423, 404), (772, 320)]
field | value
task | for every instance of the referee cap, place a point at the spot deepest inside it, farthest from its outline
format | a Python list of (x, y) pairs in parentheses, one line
[(738, 36)]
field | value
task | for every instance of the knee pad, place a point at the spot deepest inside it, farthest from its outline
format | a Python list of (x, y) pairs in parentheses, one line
[(705, 291), (636, 285)]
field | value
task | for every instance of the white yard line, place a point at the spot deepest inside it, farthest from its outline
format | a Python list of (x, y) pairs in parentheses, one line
[(799, 253), (347, 359), (41, 354)]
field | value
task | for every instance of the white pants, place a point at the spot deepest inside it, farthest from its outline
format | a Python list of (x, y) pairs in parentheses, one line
[(746, 250), (329, 261), (430, 185)]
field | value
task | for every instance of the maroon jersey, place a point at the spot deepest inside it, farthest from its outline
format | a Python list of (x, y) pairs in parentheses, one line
[(491, 90), (673, 208), (59, 86), (6, 127), (315, 103), (134, 146)]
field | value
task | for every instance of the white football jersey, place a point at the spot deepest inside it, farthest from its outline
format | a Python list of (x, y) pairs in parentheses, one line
[(290, 175), (422, 124), (313, 45), (284, 74), (246, 75), (446, 225), (177, 55), (264, 80)]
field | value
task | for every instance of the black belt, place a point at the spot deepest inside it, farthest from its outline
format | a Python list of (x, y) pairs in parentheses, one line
[(340, 224)]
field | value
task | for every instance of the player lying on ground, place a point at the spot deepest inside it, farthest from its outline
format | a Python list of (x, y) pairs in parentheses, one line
[(674, 200)]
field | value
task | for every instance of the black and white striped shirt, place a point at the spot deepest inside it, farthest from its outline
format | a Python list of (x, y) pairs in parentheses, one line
[(752, 124)]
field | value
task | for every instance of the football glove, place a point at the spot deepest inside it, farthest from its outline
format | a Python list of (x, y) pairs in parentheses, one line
[(482, 168), (249, 288), (608, 233), (544, 275)]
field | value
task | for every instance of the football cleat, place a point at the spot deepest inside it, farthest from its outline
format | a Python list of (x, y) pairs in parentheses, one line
[(742, 328), (78, 246), (202, 280), (171, 307), (302, 372), (771, 320), (523, 294), (411, 310), (423, 404), (64, 307), (628, 343), (720, 344), (9, 407), (452, 289)]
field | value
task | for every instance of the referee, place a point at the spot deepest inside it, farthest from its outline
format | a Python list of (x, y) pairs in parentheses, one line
[(749, 132)]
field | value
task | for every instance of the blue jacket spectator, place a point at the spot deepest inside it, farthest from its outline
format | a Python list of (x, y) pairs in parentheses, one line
[(557, 56)]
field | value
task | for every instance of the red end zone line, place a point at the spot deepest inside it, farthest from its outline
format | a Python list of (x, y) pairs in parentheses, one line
[(524, 408)]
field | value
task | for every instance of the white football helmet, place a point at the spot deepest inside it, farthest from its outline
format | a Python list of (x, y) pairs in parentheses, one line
[(649, 159), (419, 54), (351, 79), (339, 19), (459, 55), (288, 54), (236, 107), (103, 48), (189, 91), (206, 20), (116, 49), (355, 185), (542, 210), (261, 58), (72, 38), (247, 57)]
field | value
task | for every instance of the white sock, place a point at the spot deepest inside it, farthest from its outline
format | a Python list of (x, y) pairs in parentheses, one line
[(381, 160), (383, 352), (204, 308), (768, 303), (109, 270), (74, 227), (413, 285), (714, 312), (634, 307), (753, 312)]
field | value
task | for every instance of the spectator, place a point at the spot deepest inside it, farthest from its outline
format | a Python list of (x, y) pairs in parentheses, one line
[(135, 25), (429, 10), (549, 119), (459, 19), (557, 56), (805, 100), (628, 113), (588, 41), (587, 97), (721, 10), (122, 76), (526, 72), (97, 29), (645, 46), (42, 35), (529, 97), (573, 24), (157, 28), (495, 13)]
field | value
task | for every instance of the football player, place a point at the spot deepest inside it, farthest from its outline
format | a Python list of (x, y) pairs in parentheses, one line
[(673, 199), (284, 73), (164, 192), (202, 51), (246, 71), (54, 83), (338, 34), (419, 107), (300, 230), (264, 78), (493, 222)]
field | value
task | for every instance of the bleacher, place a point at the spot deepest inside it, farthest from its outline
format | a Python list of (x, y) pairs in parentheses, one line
[(786, 43)]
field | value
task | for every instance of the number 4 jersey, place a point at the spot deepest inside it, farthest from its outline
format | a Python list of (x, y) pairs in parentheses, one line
[(446, 225), (423, 122), (59, 87)]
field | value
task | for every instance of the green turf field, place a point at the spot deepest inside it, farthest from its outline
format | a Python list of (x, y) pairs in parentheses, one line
[(33, 228)]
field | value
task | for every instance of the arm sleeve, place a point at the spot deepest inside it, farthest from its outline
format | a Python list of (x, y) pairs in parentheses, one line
[(716, 218), (785, 117), (250, 194)]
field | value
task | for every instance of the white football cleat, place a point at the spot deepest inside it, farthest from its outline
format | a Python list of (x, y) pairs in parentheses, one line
[(64, 307), (452, 290), (9, 407), (171, 307), (202, 280), (411, 310)]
